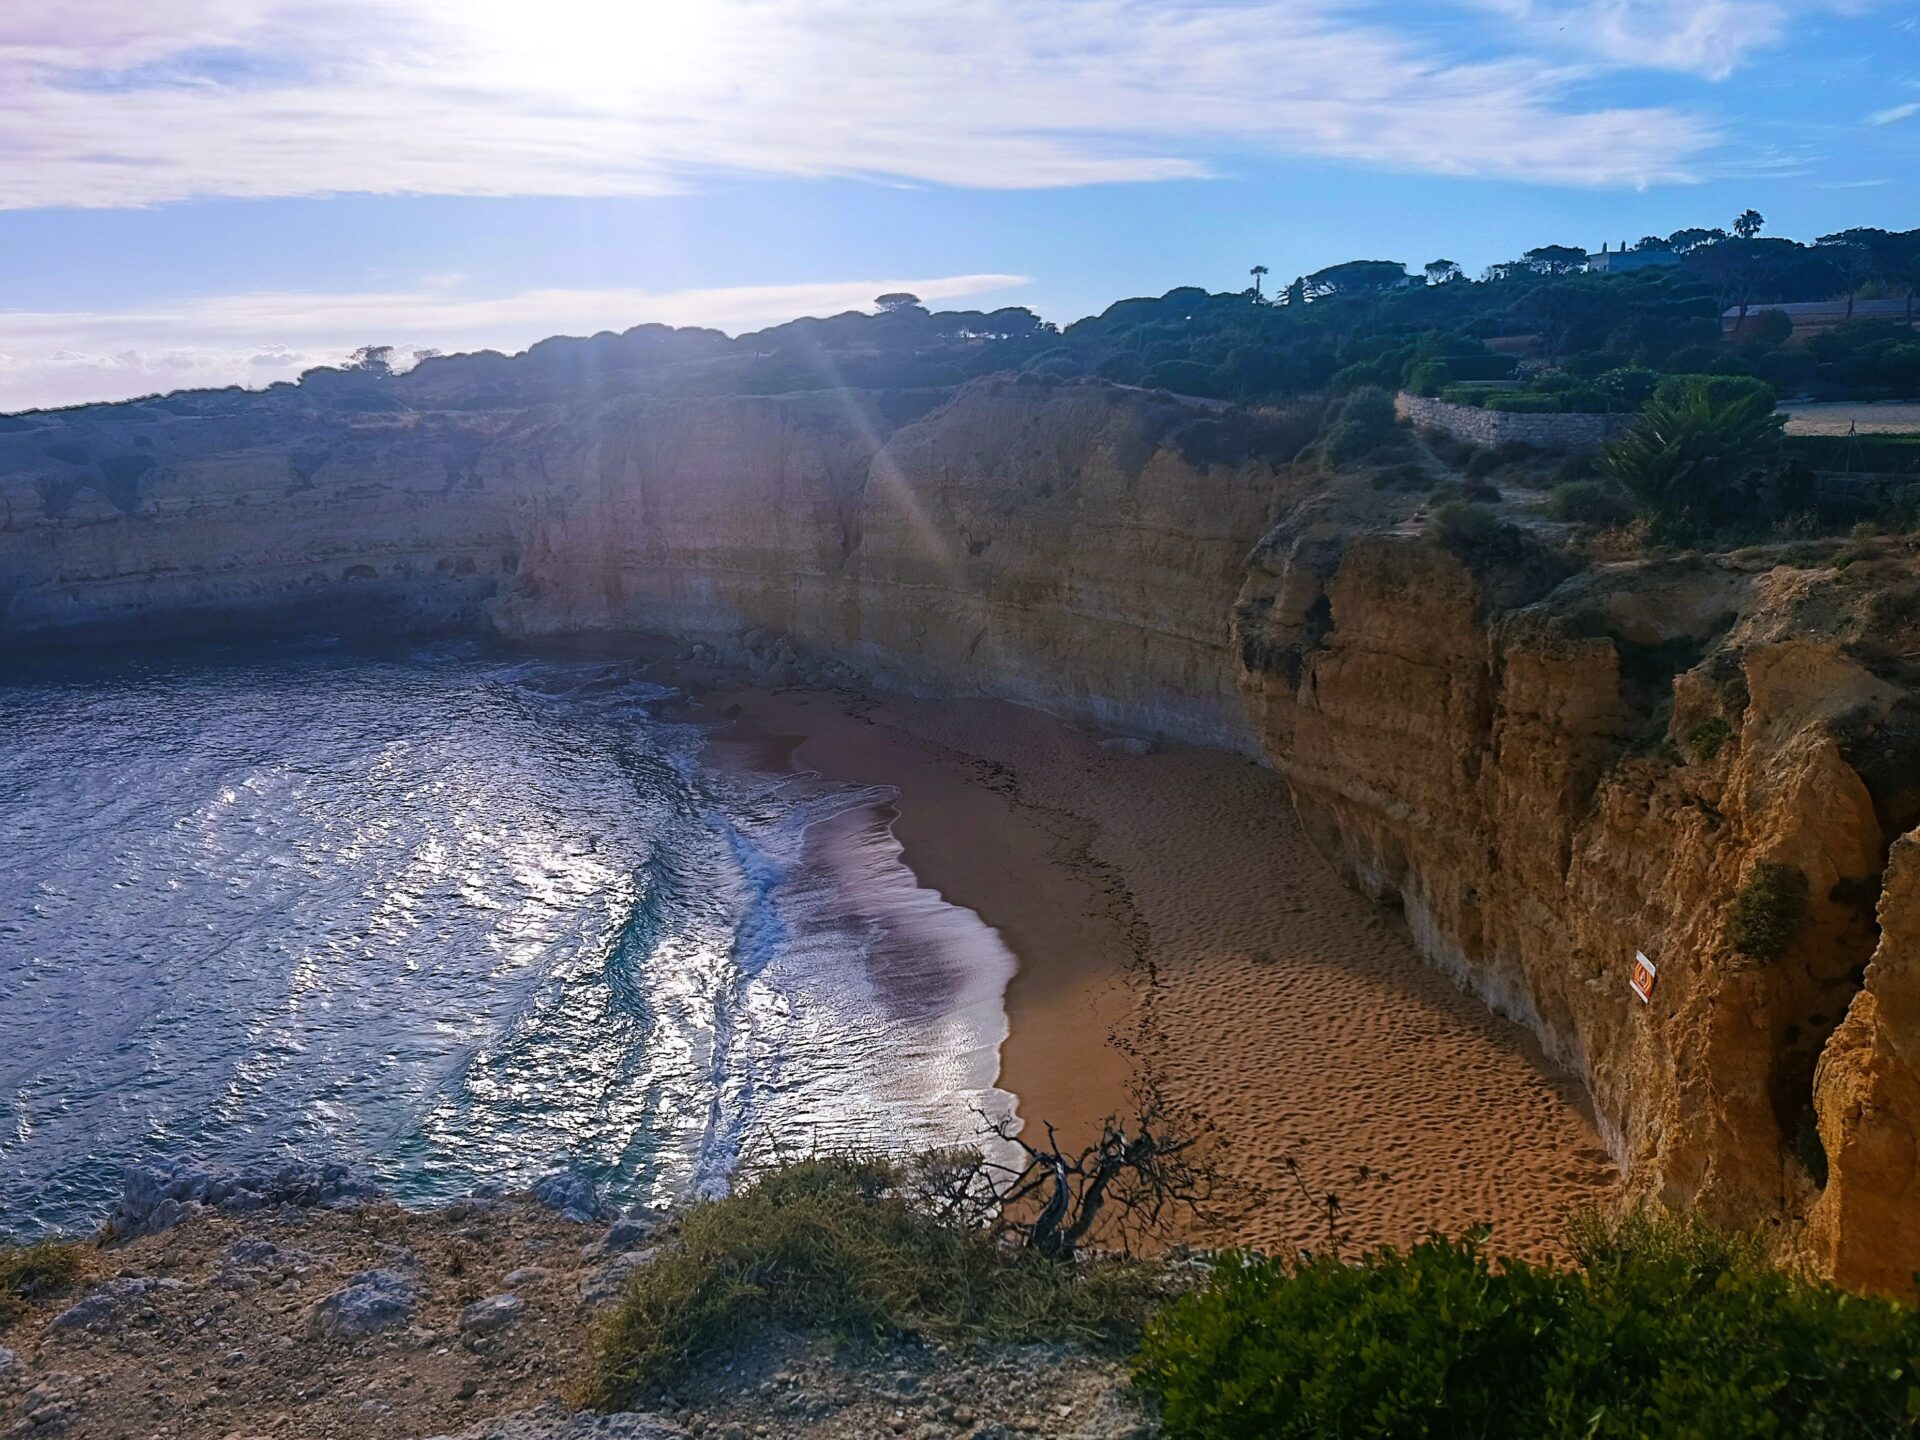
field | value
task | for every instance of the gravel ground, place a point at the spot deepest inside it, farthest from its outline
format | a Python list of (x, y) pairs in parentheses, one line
[(470, 1321)]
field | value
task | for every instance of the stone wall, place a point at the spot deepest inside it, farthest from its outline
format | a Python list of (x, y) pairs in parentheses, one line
[(1490, 429)]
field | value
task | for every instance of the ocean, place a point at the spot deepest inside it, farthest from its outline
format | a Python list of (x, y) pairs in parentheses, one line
[(455, 917)]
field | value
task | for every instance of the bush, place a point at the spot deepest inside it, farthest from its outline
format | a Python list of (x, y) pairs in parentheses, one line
[(28, 1272), (1522, 402), (1482, 463), (1767, 911), (1696, 462), (1477, 395), (1707, 739), (1589, 502), (1362, 424), (1477, 536), (1719, 389), (844, 1247), (1668, 1330), (1631, 385), (1430, 377)]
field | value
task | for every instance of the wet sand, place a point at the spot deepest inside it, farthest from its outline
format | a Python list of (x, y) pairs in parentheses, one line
[(1172, 924)]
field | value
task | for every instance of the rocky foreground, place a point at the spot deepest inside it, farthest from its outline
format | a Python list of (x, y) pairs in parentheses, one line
[(298, 1302)]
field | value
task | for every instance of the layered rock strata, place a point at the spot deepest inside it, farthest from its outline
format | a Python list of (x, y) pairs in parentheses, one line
[(1713, 762), (1708, 762)]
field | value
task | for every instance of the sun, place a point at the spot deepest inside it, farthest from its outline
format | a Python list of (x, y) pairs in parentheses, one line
[(595, 48)]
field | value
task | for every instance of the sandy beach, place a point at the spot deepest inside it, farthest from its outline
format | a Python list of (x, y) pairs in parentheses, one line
[(1172, 922)]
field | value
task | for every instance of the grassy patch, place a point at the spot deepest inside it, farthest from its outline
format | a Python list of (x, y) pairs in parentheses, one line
[(1667, 1329), (1767, 911), (845, 1247), (28, 1272), (1707, 739)]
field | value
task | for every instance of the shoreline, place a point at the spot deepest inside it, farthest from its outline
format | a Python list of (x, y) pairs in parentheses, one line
[(1172, 925)]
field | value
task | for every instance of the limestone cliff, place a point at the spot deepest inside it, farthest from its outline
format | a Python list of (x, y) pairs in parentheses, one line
[(1074, 545), (1713, 761), (1549, 776)]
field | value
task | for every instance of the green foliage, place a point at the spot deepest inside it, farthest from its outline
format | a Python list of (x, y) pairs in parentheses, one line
[(1361, 424), (1482, 463), (1719, 389), (1589, 502), (1430, 377), (1696, 462), (28, 1272), (1767, 911), (847, 1248), (1707, 739), (1667, 1330), (1477, 393), (1522, 402), (1478, 537)]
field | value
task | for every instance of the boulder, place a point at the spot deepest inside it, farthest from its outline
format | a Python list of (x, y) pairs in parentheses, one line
[(371, 1301), (572, 1196), (491, 1315)]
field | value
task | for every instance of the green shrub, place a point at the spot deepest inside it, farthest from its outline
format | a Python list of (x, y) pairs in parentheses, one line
[(1719, 389), (1697, 463), (1482, 463), (1707, 739), (1477, 393), (1431, 377), (1361, 424), (841, 1247), (1524, 402), (1631, 385), (28, 1272), (1767, 911), (1589, 502), (1591, 400), (1667, 1330), (1477, 536)]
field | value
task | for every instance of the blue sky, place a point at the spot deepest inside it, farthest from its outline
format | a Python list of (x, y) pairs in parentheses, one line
[(220, 191)]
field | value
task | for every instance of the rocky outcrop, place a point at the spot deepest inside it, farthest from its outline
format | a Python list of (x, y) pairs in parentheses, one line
[(1708, 761), (1074, 545), (1702, 761)]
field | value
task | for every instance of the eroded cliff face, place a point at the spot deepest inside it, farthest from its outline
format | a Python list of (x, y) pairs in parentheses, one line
[(1546, 770), (1072, 545), (1550, 775)]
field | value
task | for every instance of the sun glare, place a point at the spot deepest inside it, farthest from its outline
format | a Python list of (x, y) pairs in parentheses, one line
[(593, 47)]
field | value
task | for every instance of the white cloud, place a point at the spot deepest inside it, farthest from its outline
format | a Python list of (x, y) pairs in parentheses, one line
[(127, 102), (1712, 38), (63, 358), (1894, 115)]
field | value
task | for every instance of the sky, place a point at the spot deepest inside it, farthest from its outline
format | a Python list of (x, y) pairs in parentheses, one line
[(213, 192)]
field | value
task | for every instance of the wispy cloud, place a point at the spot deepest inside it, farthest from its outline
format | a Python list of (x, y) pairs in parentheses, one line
[(1894, 114), (1702, 37), (61, 358), (126, 102)]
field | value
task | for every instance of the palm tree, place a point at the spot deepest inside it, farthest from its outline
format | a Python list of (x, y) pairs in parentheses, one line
[(1257, 272), (1749, 223), (1694, 462)]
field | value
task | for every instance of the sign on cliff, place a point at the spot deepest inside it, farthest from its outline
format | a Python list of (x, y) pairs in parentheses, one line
[(1644, 974)]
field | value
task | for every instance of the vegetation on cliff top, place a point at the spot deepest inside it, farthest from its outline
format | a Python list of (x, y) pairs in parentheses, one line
[(30, 1272), (1666, 1329), (1602, 339), (858, 1248)]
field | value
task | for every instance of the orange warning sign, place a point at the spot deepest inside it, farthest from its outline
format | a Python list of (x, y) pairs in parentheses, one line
[(1644, 974)]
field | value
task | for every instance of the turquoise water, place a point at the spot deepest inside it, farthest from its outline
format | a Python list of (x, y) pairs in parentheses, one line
[(454, 917)]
